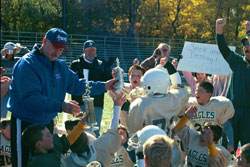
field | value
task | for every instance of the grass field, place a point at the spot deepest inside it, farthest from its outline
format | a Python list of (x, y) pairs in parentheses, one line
[(106, 117)]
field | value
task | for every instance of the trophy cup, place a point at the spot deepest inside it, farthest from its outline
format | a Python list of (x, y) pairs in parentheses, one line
[(89, 108)]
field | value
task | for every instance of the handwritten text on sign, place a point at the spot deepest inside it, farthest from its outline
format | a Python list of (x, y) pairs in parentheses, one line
[(205, 58)]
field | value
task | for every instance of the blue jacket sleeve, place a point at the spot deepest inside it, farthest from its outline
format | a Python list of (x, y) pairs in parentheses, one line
[(228, 129), (77, 87)]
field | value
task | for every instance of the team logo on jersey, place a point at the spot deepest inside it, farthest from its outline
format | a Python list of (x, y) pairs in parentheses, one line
[(194, 158), (117, 161), (204, 116)]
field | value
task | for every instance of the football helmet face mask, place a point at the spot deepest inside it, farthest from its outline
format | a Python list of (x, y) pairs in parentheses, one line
[(155, 81)]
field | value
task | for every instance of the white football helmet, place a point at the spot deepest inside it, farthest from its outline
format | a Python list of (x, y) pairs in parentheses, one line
[(155, 81)]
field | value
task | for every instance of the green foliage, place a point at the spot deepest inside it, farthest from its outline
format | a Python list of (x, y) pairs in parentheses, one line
[(135, 18)]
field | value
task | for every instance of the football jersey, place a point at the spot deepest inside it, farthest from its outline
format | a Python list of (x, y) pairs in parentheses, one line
[(121, 159), (218, 110), (5, 151), (102, 150), (160, 111), (197, 155)]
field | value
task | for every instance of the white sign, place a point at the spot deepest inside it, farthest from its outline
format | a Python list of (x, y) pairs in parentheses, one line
[(204, 58)]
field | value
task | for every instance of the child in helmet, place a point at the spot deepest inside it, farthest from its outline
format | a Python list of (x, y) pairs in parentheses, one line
[(161, 105)]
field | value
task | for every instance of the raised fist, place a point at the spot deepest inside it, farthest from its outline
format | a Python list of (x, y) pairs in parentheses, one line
[(220, 23)]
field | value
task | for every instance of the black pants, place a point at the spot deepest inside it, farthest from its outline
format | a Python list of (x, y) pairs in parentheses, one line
[(20, 153), (241, 124)]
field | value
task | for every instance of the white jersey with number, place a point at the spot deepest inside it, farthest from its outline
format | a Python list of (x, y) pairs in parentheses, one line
[(160, 111), (218, 110), (5, 152), (197, 155)]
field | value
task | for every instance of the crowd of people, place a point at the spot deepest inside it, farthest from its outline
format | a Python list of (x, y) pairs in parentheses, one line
[(155, 121)]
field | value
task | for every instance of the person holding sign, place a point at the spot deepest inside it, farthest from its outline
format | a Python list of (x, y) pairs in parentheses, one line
[(239, 88)]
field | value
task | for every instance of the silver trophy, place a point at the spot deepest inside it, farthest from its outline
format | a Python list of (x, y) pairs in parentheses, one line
[(89, 108), (119, 77)]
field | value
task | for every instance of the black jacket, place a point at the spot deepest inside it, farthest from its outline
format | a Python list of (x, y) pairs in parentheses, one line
[(97, 72)]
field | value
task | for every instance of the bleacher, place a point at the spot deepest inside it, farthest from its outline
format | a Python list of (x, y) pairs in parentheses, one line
[(125, 48)]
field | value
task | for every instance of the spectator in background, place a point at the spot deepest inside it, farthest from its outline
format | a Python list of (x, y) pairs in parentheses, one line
[(37, 93), (239, 89), (5, 82), (88, 66), (163, 50), (9, 56), (5, 149), (136, 61), (220, 83)]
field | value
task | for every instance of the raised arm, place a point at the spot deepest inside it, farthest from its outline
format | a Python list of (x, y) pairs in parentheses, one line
[(221, 42)]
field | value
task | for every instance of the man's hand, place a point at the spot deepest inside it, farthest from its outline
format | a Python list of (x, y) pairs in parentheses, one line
[(220, 23), (247, 25), (4, 52), (5, 83), (175, 63), (119, 99), (110, 84), (71, 107), (191, 111)]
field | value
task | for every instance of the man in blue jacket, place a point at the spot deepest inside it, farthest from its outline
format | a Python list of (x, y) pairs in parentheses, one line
[(40, 83)]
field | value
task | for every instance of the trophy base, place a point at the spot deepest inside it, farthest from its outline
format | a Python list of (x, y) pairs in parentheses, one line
[(92, 127)]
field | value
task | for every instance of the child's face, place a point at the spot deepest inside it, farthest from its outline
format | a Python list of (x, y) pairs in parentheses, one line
[(123, 134), (135, 78), (6, 132), (47, 142), (201, 76), (201, 95), (241, 161)]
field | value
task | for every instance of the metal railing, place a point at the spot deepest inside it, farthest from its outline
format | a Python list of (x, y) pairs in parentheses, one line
[(125, 48)]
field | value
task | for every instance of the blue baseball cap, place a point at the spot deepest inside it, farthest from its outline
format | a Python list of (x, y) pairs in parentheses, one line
[(89, 44), (58, 38)]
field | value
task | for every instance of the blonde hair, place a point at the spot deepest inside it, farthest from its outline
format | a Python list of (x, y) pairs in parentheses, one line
[(158, 151)]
